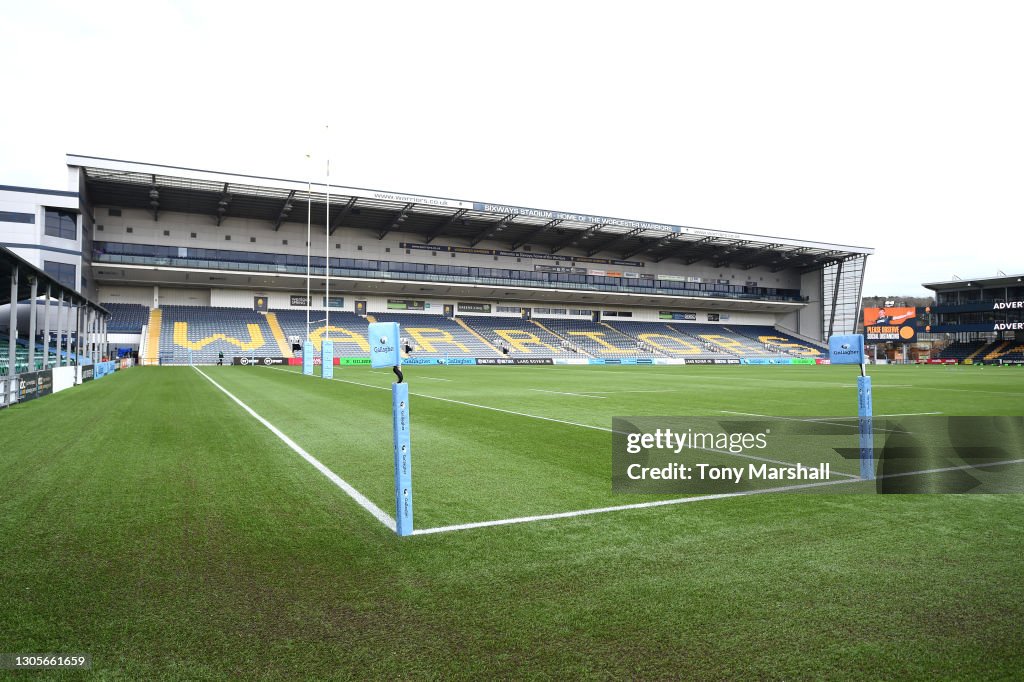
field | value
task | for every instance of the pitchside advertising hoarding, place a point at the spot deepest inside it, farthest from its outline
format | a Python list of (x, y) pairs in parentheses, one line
[(897, 324), (35, 384), (673, 315), (258, 361)]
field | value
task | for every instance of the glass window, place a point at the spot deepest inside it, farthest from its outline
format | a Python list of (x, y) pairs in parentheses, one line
[(62, 272), (63, 224)]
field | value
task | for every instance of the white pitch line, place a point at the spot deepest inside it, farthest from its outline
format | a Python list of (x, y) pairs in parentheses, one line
[(644, 390), (898, 414), (578, 395), (433, 379), (462, 402), (829, 423), (361, 499), (686, 500), (551, 419)]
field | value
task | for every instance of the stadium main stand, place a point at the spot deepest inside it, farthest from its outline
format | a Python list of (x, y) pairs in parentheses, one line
[(189, 333), (241, 332), (522, 338), (437, 335)]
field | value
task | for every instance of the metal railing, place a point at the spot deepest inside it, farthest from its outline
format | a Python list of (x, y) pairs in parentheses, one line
[(428, 277)]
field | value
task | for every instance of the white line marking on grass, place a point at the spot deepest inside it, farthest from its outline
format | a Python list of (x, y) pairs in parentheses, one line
[(686, 500), (333, 477), (643, 390), (462, 402), (433, 379), (550, 419), (578, 395), (898, 414), (830, 423)]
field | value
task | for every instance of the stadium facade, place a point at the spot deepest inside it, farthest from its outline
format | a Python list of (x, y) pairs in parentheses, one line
[(204, 246), (984, 319)]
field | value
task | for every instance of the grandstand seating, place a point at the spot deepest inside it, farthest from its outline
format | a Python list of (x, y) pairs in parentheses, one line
[(126, 317), (437, 335), (778, 342), (668, 339), (205, 332), (21, 358), (522, 338), (601, 340), (726, 341), (961, 350), (348, 330), (241, 332), (984, 351), (1014, 352)]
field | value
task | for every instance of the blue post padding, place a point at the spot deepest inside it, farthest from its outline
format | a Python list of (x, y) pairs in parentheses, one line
[(307, 357), (867, 441), (327, 359), (384, 344), (403, 460), (847, 349)]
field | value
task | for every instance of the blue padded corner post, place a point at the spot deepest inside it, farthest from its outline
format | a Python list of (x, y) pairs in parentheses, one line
[(385, 351), (849, 350), (327, 359), (307, 358), (867, 435), (403, 458)]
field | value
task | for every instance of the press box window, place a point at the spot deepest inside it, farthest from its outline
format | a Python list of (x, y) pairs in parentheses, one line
[(62, 224)]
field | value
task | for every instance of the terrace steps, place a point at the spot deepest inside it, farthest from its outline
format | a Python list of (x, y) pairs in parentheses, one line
[(153, 337), (275, 329)]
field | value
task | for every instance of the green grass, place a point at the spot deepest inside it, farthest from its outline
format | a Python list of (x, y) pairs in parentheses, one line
[(148, 520)]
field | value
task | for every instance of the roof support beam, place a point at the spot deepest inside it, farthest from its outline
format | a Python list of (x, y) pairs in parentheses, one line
[(396, 223), (578, 236), (526, 239), (445, 224), (337, 217), (721, 258), (615, 240), (492, 230), (695, 258), (650, 246), (827, 258), (154, 199), (285, 210), (223, 204), (785, 259)]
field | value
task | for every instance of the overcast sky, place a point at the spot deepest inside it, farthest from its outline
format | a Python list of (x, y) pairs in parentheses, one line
[(894, 125)]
